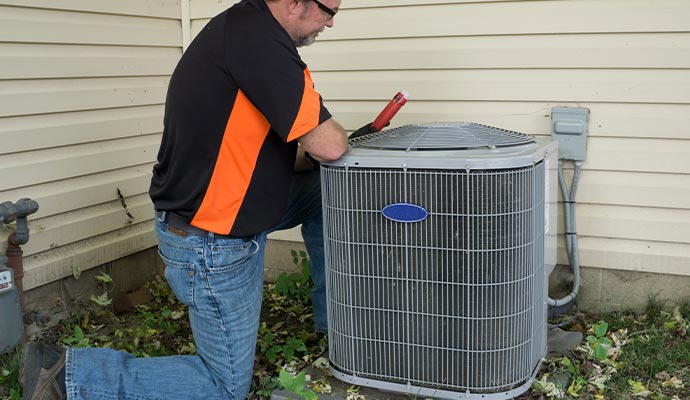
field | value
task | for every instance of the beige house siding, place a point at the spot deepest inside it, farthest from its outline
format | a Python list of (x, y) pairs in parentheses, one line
[(82, 86), (506, 63)]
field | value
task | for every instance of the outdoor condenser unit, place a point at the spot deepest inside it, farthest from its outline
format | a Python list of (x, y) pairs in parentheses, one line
[(439, 242)]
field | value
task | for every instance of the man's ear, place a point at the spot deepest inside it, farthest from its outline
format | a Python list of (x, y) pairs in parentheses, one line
[(294, 5)]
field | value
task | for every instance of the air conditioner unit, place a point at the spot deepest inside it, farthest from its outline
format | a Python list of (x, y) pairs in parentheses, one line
[(439, 242)]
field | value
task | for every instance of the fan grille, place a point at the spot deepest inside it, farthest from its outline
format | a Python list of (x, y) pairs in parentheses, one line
[(442, 136), (453, 302)]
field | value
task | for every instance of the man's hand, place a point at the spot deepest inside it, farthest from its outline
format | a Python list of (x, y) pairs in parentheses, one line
[(365, 130)]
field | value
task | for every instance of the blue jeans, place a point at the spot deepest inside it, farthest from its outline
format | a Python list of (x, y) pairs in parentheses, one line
[(304, 207), (221, 282)]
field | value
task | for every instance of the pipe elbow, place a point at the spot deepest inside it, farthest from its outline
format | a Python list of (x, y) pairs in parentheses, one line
[(26, 207), (19, 237)]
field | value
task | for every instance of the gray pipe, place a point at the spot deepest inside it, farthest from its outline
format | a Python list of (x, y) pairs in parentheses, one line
[(23, 208), (570, 233)]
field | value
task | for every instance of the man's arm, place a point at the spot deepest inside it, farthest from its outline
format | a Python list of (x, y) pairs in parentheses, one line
[(326, 142)]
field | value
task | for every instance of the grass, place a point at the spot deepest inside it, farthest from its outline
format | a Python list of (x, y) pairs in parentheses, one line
[(624, 355), (9, 375), (646, 356)]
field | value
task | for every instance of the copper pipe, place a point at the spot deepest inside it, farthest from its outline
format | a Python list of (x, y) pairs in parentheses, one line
[(14, 262)]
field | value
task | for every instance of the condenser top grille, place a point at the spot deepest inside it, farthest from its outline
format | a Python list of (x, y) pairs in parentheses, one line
[(442, 136)]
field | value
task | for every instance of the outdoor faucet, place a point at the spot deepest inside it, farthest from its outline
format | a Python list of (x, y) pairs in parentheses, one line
[(18, 236), (18, 211)]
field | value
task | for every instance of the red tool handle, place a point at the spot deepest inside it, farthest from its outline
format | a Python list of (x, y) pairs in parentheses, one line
[(390, 110)]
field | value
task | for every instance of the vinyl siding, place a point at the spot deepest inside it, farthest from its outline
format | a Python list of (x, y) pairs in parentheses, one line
[(82, 88), (506, 64)]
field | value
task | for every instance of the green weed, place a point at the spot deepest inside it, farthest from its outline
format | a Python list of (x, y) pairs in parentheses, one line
[(295, 286), (10, 388), (598, 341), (296, 384)]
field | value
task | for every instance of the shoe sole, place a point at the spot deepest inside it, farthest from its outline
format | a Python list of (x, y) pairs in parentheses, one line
[(33, 359)]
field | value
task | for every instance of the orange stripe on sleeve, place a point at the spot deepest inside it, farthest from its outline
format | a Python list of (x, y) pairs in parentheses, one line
[(244, 135), (309, 110)]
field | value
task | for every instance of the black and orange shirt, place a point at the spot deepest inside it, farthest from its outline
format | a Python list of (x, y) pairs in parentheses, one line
[(237, 100)]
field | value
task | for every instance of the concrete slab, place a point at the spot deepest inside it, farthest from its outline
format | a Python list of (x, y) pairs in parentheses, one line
[(560, 343)]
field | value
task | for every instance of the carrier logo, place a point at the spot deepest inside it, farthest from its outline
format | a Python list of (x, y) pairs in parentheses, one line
[(404, 212)]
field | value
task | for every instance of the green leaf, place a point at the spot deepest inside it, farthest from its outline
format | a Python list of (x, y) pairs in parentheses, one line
[(271, 355), (101, 300), (268, 338), (283, 284), (575, 386), (78, 333), (296, 344), (300, 380), (285, 379), (569, 365), (289, 353), (289, 382), (600, 381), (104, 278), (309, 395), (673, 382), (306, 272), (601, 352), (669, 325), (600, 329), (638, 389)]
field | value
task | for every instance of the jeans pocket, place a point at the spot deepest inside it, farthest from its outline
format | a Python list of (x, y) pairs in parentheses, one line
[(231, 254), (180, 276)]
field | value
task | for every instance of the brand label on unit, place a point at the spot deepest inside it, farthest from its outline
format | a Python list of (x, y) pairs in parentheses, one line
[(5, 280), (404, 212)]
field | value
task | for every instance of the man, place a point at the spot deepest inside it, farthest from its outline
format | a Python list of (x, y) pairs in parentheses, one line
[(239, 102)]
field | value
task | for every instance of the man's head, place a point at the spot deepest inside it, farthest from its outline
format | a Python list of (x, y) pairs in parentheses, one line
[(304, 19)]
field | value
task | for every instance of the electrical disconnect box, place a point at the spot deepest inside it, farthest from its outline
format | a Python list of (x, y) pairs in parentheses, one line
[(569, 129)]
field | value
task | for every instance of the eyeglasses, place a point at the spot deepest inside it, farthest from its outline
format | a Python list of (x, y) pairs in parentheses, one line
[(331, 13)]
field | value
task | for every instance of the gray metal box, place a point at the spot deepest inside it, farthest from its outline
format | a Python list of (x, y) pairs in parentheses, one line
[(569, 129), (10, 312)]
